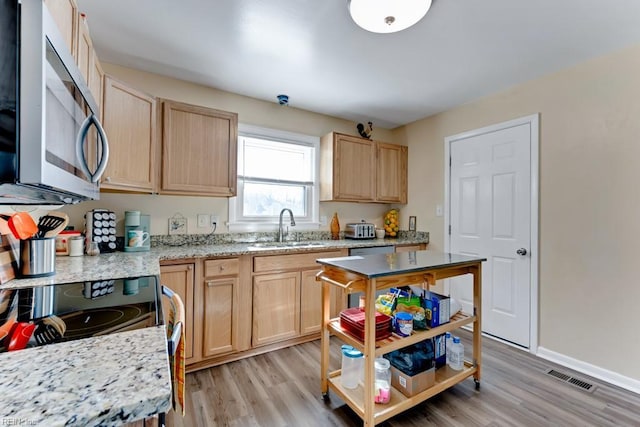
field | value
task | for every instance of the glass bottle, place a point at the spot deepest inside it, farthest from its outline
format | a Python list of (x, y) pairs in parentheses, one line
[(335, 227)]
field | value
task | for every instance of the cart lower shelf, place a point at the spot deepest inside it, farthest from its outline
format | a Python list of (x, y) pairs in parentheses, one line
[(445, 378)]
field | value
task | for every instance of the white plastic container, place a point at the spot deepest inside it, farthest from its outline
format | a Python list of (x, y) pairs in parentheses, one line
[(448, 343), (382, 381), (352, 364), (456, 361)]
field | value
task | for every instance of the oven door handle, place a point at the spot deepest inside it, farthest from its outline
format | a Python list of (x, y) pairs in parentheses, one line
[(174, 341)]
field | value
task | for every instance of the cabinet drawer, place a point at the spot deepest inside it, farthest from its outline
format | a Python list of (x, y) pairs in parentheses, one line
[(290, 262), (221, 267)]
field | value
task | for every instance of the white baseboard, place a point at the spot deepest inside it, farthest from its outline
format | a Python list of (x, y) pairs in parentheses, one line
[(594, 371)]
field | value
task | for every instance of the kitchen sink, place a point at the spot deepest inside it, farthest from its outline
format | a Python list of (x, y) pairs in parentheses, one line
[(285, 245)]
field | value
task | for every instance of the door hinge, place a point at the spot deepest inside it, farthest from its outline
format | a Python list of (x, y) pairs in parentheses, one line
[(449, 161), (449, 229)]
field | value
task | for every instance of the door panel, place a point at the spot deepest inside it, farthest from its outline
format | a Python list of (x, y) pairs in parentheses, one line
[(490, 216), (276, 307), (219, 306)]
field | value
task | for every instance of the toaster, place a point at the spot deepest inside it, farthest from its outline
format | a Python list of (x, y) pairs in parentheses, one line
[(360, 230)]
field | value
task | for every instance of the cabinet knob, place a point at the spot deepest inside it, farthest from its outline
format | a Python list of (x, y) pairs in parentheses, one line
[(107, 179), (190, 267)]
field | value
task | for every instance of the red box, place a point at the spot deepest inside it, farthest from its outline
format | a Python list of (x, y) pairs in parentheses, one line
[(352, 320)]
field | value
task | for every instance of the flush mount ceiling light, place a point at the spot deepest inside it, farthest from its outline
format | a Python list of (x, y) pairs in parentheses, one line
[(387, 16)]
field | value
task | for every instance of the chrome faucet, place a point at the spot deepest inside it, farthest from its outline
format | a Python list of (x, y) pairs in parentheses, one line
[(281, 234)]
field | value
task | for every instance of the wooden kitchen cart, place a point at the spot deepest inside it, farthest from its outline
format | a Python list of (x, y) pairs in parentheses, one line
[(370, 273)]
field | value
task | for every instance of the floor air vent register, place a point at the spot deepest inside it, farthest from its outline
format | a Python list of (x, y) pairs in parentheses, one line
[(576, 382)]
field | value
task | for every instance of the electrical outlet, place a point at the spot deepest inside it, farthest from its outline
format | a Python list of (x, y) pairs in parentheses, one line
[(203, 220), (214, 220), (439, 211)]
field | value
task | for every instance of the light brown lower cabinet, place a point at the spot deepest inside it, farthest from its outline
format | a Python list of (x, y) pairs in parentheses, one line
[(226, 307), (410, 248), (286, 297), (241, 306), (180, 279), (276, 307), (310, 297)]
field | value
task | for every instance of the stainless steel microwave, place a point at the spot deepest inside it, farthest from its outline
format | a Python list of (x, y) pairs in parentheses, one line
[(53, 149)]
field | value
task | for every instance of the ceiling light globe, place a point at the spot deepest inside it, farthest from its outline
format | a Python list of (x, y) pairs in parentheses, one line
[(387, 16)]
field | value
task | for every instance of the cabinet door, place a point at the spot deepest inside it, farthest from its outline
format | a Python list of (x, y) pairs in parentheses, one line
[(409, 248), (65, 15), (354, 169), (180, 279), (84, 49), (129, 119), (220, 306), (276, 307), (392, 161), (311, 302), (96, 78), (199, 150)]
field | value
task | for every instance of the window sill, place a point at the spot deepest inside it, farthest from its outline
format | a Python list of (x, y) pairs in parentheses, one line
[(240, 227)]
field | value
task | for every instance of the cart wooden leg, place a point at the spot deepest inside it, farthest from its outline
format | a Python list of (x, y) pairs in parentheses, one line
[(324, 339), (477, 325), (370, 352)]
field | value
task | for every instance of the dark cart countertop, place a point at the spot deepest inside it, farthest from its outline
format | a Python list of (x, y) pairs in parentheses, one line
[(380, 265)]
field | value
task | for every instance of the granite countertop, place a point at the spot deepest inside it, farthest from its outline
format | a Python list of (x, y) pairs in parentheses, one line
[(106, 381), (124, 376), (136, 264)]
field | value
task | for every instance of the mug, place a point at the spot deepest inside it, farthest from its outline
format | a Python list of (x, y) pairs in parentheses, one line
[(131, 286), (137, 238)]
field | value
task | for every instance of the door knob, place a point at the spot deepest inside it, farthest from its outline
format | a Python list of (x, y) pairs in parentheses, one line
[(521, 251)]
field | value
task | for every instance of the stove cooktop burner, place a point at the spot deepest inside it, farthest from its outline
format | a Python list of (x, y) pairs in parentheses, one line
[(78, 311), (93, 322)]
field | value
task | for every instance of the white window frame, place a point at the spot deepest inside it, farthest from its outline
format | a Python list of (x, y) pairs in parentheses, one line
[(237, 223)]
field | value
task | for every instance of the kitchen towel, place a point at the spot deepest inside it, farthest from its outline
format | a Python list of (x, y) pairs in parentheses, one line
[(176, 315)]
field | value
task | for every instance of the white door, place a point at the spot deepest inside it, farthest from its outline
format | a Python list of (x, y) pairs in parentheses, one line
[(490, 216)]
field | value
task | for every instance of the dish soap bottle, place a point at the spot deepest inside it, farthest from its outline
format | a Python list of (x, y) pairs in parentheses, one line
[(335, 227)]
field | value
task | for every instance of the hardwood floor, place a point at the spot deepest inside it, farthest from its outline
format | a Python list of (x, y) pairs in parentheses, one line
[(282, 388)]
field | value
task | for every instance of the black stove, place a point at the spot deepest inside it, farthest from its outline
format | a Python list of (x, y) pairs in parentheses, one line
[(44, 315)]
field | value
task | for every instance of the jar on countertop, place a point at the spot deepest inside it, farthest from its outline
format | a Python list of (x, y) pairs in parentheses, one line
[(62, 241)]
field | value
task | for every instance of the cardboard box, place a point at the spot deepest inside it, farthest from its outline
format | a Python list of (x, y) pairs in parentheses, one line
[(440, 350), (437, 309), (412, 385)]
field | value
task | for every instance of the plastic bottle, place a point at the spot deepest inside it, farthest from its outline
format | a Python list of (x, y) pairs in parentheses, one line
[(448, 343), (352, 361), (382, 381), (457, 355)]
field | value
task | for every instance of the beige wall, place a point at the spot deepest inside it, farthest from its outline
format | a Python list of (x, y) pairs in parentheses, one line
[(589, 200), (250, 111)]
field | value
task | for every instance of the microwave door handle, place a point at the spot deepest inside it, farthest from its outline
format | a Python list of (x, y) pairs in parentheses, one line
[(82, 161), (102, 136)]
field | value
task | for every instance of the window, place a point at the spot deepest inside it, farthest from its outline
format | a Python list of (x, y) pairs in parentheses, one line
[(276, 170)]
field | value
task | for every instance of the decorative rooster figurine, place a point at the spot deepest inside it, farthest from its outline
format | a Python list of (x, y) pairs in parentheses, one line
[(365, 132)]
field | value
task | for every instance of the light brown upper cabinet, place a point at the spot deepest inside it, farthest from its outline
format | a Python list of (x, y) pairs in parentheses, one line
[(347, 168), (129, 120), (88, 62), (392, 172), (354, 169), (199, 150), (65, 15)]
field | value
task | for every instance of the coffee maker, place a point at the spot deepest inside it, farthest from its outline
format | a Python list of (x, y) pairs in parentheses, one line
[(136, 232)]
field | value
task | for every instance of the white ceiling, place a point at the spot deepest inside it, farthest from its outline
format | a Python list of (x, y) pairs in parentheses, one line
[(312, 51)]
